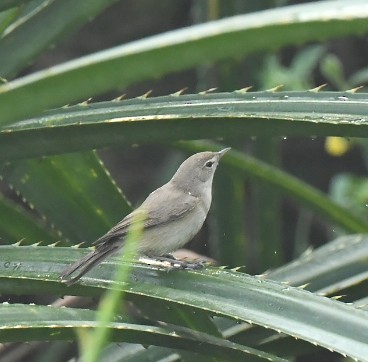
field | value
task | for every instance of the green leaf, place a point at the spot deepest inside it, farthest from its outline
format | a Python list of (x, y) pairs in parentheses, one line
[(330, 268), (266, 215), (185, 117), (29, 38), (18, 225), (32, 322), (293, 311), (295, 77), (8, 4), (359, 78), (180, 49), (137, 353), (352, 192), (332, 69), (228, 244), (336, 267), (6, 19), (154, 309), (74, 191)]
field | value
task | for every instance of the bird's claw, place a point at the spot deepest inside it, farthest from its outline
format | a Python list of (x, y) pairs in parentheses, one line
[(170, 261)]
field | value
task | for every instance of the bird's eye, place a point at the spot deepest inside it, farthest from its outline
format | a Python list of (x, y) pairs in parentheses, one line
[(209, 164)]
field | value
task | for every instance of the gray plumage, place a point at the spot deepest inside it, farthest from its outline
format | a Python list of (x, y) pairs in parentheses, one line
[(174, 213)]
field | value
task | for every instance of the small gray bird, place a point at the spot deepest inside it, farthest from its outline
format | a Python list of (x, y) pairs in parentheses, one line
[(174, 213)]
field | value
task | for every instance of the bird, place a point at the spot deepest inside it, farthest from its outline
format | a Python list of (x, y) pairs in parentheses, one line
[(173, 215)]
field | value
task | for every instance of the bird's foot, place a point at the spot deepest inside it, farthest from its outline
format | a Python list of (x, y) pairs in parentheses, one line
[(168, 256), (168, 260)]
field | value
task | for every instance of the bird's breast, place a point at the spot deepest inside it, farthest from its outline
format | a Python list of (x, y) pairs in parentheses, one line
[(170, 236)]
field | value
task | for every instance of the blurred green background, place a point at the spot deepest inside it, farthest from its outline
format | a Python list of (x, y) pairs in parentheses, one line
[(251, 224)]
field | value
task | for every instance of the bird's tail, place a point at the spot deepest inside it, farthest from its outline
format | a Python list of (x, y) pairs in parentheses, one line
[(83, 265)]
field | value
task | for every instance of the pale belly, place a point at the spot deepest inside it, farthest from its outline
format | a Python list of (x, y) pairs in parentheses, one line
[(169, 237)]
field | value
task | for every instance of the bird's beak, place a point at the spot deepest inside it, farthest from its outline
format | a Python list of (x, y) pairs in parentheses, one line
[(222, 152)]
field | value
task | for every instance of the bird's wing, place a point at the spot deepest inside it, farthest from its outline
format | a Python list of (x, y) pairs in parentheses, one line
[(161, 206)]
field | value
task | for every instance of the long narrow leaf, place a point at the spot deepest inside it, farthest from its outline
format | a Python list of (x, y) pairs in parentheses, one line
[(290, 310), (329, 268), (339, 264), (181, 49), (29, 39), (74, 191), (7, 4), (18, 225), (31, 322), (166, 119)]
